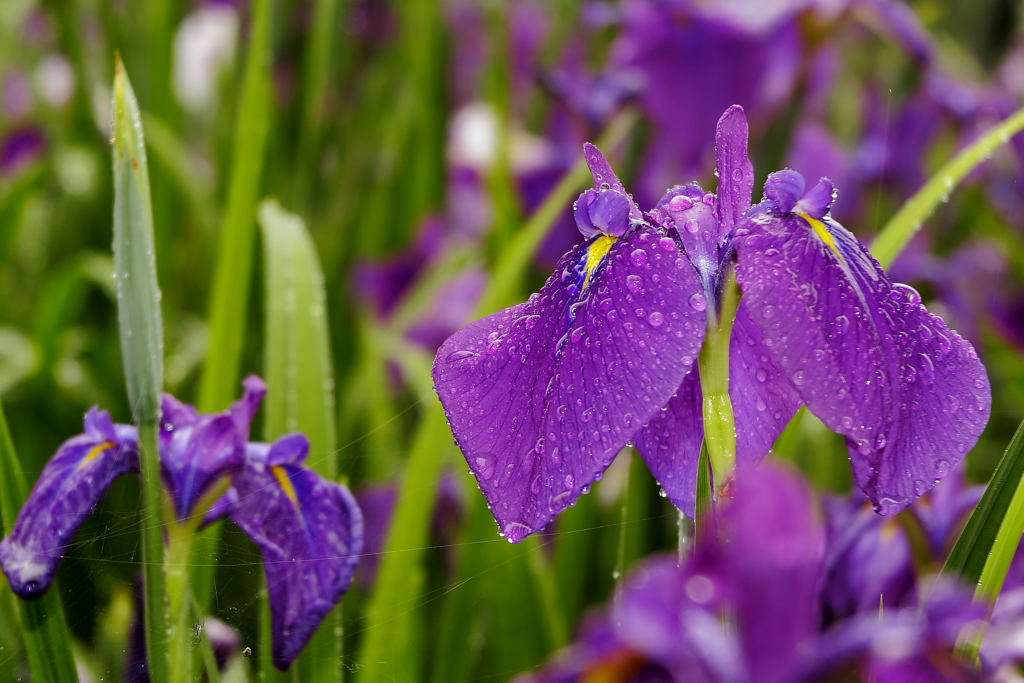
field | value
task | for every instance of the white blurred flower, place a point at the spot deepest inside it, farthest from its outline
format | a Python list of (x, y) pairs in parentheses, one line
[(55, 80), (473, 137), (204, 47)]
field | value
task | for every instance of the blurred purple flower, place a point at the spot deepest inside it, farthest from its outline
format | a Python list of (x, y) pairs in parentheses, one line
[(16, 94), (309, 530), (744, 608), (19, 148)]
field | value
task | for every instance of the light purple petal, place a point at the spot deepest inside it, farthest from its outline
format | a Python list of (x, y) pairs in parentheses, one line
[(785, 188), (908, 393), (670, 444), (68, 489), (310, 535), (605, 211), (243, 410), (763, 400), (605, 178), (818, 201), (735, 172), (543, 395), (690, 212)]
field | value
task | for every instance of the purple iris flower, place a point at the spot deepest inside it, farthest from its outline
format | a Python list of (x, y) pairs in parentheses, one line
[(744, 608), (309, 530), (605, 353)]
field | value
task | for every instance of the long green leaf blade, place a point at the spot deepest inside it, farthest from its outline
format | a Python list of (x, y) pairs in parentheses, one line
[(43, 627), (968, 557), (230, 298), (300, 380), (907, 221), (138, 307)]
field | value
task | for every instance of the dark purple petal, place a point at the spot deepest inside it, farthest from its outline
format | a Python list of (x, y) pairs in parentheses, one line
[(943, 511), (735, 172), (785, 188), (243, 410), (543, 395), (909, 394), (69, 487), (310, 535), (868, 561), (20, 148), (763, 400), (670, 444), (605, 178)]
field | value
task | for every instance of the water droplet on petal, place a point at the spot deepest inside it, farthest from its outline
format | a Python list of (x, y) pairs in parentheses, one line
[(691, 226), (634, 283), (668, 244), (656, 319), (799, 377), (638, 258), (760, 405), (842, 324), (698, 302), (680, 203), (761, 375)]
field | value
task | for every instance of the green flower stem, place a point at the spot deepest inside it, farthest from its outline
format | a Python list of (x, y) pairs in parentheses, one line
[(907, 221), (713, 363), (179, 600), (153, 569)]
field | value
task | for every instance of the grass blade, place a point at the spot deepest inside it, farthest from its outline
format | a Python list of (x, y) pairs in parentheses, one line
[(300, 380), (967, 559), (387, 651), (47, 640), (138, 308), (907, 221), (230, 298)]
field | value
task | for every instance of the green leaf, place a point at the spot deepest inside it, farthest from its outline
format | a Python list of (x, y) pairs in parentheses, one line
[(907, 221), (970, 555), (300, 380), (387, 649), (47, 640), (138, 307), (230, 298)]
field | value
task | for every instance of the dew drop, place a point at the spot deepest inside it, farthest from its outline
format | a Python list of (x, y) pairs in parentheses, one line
[(485, 467), (656, 319), (927, 369), (691, 226), (569, 481), (668, 244), (680, 203), (920, 487), (842, 324), (847, 422), (880, 441), (761, 406), (761, 375), (768, 312), (799, 377), (612, 315), (634, 283), (638, 258), (737, 175), (576, 335), (698, 302), (942, 468)]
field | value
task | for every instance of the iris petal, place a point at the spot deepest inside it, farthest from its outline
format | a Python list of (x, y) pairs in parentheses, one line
[(908, 393), (735, 172), (670, 444), (68, 488), (543, 395), (310, 535)]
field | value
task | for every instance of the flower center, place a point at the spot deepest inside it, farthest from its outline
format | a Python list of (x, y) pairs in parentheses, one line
[(595, 253), (823, 233)]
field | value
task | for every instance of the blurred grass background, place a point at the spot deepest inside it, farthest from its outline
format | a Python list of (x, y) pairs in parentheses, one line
[(415, 138)]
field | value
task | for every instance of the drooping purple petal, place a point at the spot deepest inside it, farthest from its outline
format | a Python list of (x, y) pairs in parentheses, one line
[(763, 400), (310, 535), (735, 172), (69, 487), (818, 202), (543, 395), (670, 444), (908, 393)]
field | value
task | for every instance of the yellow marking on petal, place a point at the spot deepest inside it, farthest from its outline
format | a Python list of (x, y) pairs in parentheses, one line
[(286, 484), (823, 233), (94, 452), (595, 252)]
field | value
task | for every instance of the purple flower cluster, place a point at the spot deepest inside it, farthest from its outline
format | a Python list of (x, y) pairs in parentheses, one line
[(745, 607), (309, 530), (543, 395)]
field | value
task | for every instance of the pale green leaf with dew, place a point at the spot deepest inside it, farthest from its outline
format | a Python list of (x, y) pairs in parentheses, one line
[(140, 322)]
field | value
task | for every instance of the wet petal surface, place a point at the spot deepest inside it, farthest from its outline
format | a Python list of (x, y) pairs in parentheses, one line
[(908, 393), (310, 535), (69, 487), (543, 395)]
